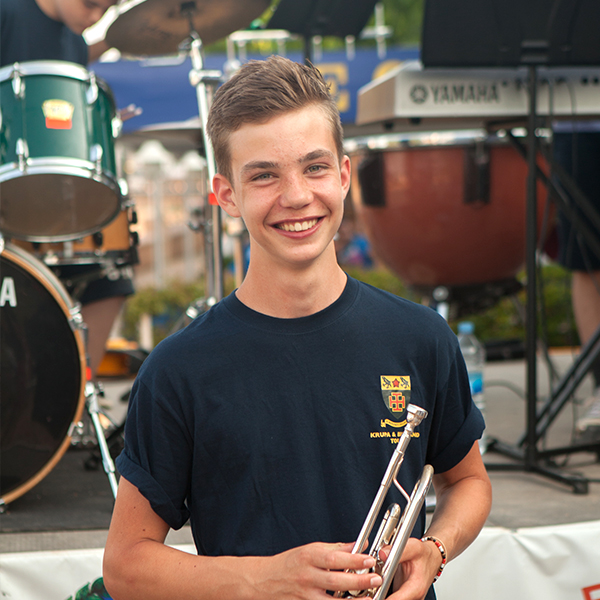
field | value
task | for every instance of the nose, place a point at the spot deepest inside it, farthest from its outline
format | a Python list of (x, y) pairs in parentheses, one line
[(296, 192)]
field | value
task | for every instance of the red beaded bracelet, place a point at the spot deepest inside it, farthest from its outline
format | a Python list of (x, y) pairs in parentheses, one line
[(442, 550)]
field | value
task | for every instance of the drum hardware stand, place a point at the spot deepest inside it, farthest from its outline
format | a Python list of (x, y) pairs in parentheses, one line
[(92, 392), (201, 79), (208, 218), (537, 422)]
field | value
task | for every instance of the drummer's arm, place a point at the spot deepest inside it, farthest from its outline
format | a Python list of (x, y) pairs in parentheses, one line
[(95, 51)]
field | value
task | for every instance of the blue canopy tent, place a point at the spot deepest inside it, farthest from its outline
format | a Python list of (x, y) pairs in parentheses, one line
[(165, 94)]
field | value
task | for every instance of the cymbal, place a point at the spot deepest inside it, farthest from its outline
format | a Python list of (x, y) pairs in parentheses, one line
[(177, 136), (157, 27)]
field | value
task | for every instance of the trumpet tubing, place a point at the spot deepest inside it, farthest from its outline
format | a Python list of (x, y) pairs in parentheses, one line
[(396, 525)]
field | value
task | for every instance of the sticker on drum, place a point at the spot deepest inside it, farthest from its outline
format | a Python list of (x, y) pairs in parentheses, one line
[(42, 372), (57, 162)]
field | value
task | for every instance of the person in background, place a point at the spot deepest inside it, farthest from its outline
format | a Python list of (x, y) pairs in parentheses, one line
[(52, 30), (577, 150), (269, 421)]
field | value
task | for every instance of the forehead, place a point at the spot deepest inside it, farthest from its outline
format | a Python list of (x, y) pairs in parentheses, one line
[(284, 134)]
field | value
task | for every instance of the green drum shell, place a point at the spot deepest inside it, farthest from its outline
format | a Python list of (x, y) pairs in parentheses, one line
[(61, 192)]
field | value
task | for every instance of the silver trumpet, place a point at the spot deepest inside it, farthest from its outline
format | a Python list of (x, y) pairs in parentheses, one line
[(396, 525)]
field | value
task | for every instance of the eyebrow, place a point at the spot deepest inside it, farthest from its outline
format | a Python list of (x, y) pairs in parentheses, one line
[(267, 164)]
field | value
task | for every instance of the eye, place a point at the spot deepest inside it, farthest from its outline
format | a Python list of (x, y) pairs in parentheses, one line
[(262, 177), (316, 168)]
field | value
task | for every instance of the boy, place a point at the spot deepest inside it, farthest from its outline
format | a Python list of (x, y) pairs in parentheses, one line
[(265, 421)]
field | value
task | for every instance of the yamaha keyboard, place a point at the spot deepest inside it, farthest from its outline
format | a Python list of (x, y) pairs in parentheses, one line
[(411, 97)]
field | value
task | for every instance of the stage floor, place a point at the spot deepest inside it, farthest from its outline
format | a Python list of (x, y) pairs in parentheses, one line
[(71, 507)]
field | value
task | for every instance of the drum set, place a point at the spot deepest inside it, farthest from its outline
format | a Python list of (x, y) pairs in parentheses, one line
[(63, 203)]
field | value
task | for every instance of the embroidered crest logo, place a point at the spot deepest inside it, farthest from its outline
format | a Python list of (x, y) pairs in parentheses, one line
[(395, 390)]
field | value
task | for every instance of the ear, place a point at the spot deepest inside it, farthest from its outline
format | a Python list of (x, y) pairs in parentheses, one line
[(345, 172), (225, 195)]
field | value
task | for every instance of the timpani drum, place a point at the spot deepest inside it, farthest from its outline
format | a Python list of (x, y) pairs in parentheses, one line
[(58, 176), (444, 208), (42, 371)]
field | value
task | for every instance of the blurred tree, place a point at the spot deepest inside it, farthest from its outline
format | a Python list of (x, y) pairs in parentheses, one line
[(403, 16)]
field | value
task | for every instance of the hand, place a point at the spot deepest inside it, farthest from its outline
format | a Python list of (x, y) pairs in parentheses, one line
[(418, 566), (307, 572)]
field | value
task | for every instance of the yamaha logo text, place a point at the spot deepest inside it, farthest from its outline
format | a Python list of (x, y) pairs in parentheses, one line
[(456, 93)]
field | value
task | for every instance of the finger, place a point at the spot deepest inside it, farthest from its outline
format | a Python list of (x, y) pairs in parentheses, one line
[(412, 550), (337, 581), (339, 557)]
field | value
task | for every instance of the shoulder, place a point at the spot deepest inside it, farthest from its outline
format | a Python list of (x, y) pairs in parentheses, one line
[(9, 7), (375, 299), (10, 10), (202, 337), (17, 11), (404, 322)]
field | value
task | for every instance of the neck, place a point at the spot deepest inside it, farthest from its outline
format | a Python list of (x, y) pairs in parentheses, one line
[(293, 293)]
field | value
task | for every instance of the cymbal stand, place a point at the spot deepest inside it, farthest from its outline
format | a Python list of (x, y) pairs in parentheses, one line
[(203, 80)]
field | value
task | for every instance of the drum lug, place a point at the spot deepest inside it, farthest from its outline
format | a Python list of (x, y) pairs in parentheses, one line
[(117, 127), (18, 84), (124, 190), (96, 154), (76, 320), (92, 91), (22, 151), (75, 429)]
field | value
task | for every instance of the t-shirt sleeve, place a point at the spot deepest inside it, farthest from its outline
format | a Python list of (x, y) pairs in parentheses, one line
[(457, 423), (157, 455)]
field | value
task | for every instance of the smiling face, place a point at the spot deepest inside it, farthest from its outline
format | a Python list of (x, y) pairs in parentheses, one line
[(288, 184)]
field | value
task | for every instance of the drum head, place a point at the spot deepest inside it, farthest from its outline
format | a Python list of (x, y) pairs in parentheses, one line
[(42, 374), (44, 207)]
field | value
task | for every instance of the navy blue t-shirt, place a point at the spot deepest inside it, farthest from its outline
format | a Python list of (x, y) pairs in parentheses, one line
[(28, 34), (273, 433)]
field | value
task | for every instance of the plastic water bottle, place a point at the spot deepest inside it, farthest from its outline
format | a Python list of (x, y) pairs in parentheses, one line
[(473, 352)]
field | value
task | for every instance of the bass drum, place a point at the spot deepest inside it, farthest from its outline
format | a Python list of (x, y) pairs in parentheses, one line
[(444, 208), (42, 372), (57, 161)]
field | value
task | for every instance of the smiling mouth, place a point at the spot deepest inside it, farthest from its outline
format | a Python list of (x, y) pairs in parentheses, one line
[(298, 225)]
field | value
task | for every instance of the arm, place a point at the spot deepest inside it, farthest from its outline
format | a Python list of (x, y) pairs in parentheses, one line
[(138, 565), (464, 497)]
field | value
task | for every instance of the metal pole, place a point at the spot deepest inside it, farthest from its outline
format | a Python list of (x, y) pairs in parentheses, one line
[(213, 250), (531, 250)]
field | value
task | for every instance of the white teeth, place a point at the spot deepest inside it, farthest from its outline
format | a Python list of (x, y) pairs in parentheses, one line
[(299, 225)]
